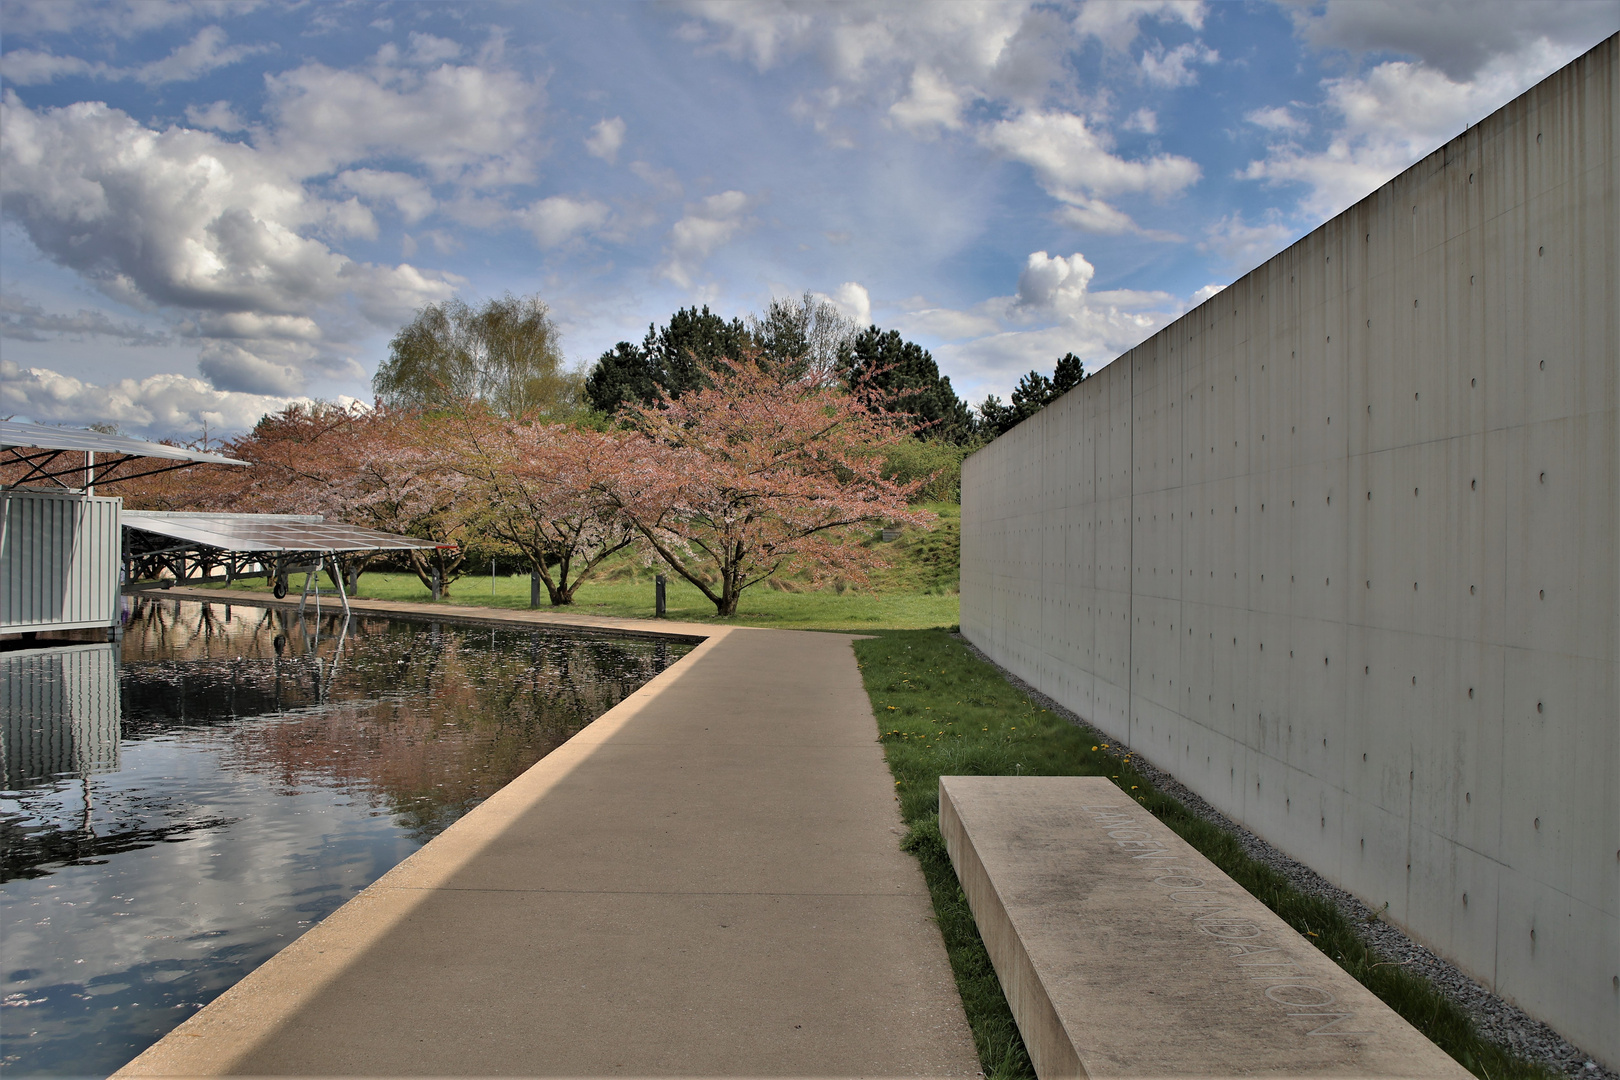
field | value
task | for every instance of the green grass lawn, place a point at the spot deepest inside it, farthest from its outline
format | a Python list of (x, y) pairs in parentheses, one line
[(918, 591), (821, 609), (943, 712)]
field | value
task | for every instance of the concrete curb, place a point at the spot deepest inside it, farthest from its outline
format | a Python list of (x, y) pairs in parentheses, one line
[(274, 992)]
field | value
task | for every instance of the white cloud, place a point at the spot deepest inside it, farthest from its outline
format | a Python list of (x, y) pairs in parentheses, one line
[(161, 406), (1073, 164), (853, 40), (205, 52), (605, 139), (852, 301), (472, 125), (1278, 118), (921, 63), (30, 67), (1170, 68), (936, 68), (1068, 156), (122, 18), (25, 320), (1095, 215), (1054, 311), (253, 324), (1389, 117), (184, 222), (665, 182), (1458, 37), (931, 103), (557, 218), (1242, 246), (1049, 285), (202, 54), (1144, 120), (231, 368), (706, 226), (409, 194), (427, 49), (216, 117), (1116, 23)]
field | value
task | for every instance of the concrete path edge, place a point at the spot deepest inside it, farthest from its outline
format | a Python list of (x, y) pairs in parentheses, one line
[(297, 974)]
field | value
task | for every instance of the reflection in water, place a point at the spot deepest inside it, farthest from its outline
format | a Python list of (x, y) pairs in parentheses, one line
[(267, 769)]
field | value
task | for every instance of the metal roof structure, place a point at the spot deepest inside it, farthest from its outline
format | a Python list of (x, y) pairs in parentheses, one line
[(180, 542), (268, 534), (39, 446)]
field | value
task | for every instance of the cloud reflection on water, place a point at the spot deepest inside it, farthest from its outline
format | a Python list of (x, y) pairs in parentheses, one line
[(262, 780)]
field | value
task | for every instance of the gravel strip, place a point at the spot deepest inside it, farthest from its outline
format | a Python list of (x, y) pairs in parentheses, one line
[(1499, 1021)]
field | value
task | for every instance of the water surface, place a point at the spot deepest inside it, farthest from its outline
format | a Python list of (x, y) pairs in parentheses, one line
[(177, 808)]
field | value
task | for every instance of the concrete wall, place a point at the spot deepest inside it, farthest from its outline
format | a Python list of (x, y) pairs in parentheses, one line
[(1339, 549)]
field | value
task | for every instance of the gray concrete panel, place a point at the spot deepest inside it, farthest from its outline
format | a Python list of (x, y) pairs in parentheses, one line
[(1338, 547)]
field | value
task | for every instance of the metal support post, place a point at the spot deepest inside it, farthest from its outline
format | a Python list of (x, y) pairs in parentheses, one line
[(658, 595), (534, 588), (337, 572)]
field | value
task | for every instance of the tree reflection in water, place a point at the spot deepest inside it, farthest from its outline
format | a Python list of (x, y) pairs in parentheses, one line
[(236, 777), (428, 719)]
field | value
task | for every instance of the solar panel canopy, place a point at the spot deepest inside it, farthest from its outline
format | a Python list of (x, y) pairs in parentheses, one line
[(269, 533), (45, 437)]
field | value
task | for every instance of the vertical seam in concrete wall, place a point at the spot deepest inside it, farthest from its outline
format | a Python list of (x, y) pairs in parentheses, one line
[(1130, 565)]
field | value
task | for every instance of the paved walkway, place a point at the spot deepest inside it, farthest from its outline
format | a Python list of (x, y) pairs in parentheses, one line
[(705, 882)]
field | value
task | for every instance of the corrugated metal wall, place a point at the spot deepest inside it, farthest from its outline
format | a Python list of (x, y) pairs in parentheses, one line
[(59, 560), (59, 713)]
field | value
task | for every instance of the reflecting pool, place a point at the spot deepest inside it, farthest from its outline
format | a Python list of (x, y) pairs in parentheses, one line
[(179, 806)]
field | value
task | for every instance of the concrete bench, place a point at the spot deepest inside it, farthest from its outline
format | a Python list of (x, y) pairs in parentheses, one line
[(1125, 953)]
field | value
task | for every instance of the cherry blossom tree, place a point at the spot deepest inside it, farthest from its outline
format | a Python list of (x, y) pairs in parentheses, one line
[(542, 489), (366, 467), (356, 465), (769, 469)]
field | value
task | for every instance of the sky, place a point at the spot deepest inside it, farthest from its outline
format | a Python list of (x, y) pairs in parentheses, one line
[(211, 209)]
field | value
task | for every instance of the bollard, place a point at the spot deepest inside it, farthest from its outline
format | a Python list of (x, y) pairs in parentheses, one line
[(534, 588), (658, 595)]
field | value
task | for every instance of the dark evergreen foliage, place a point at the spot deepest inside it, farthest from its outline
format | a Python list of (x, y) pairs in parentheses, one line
[(1032, 394), (671, 359), (623, 373), (885, 361)]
